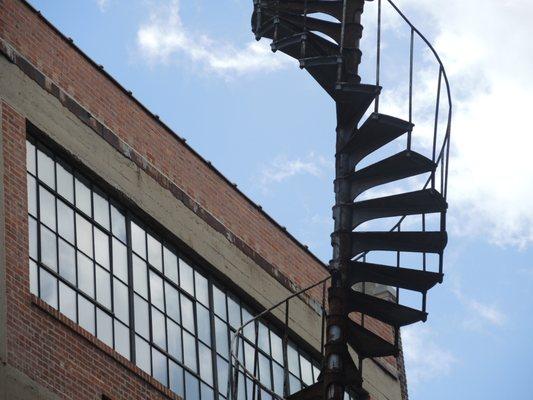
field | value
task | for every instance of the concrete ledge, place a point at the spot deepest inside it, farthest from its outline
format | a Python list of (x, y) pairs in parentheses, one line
[(14, 385)]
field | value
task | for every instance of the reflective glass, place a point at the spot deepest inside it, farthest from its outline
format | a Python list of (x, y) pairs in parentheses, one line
[(45, 168), (48, 288), (101, 210), (159, 335), (234, 313), (174, 340), (140, 277), (204, 323), (65, 221), (48, 248), (47, 208), (32, 238), (118, 224), (32, 195), (101, 248), (307, 371), (34, 284), (171, 265), (120, 260), (67, 301), (222, 374), (292, 356), (86, 314), (84, 235), (85, 274), (277, 375), (176, 378), (277, 347), (192, 391), (221, 335), (30, 157), (65, 183), (263, 339), (103, 287), (142, 354), (104, 327), (264, 370), (155, 256), (156, 291), (187, 314), (173, 302), (294, 384), (122, 339), (140, 308), (138, 240), (186, 277), (207, 392), (202, 289), (83, 197), (219, 302), (206, 364), (120, 299), (159, 362), (189, 351)]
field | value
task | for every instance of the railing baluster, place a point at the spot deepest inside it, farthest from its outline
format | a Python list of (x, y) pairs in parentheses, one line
[(286, 388), (256, 359), (303, 43), (411, 66), (436, 125), (398, 266), (323, 324), (378, 56)]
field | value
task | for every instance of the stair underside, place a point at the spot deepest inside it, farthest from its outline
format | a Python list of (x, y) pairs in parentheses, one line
[(330, 7), (383, 310), (405, 278), (415, 242), (368, 344)]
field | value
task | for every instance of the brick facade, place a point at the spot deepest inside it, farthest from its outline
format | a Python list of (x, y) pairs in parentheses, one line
[(41, 343)]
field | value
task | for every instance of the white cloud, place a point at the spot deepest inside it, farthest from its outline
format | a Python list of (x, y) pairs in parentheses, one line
[(164, 38), (283, 168), (425, 360), (102, 4)]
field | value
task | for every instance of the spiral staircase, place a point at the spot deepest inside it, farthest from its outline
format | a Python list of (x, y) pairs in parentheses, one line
[(329, 49)]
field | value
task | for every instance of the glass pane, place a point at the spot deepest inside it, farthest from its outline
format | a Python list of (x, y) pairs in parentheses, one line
[(277, 347), (204, 324), (30, 157), (120, 260), (84, 235), (264, 370), (278, 378), (120, 298), (104, 325), (159, 335), (173, 302), (34, 285), (292, 356), (219, 303), (171, 265), (207, 392), (241, 389), (101, 248), (174, 340), (249, 357), (187, 314), (155, 256), (186, 277), (32, 196), (32, 238), (159, 362), (192, 391), (202, 290), (48, 288), (222, 374), (221, 335), (189, 351), (48, 248), (156, 291), (65, 183), (101, 210), (67, 301), (294, 384), (140, 308), (316, 373), (65, 221), (47, 208), (86, 314), (234, 313), (83, 197), (263, 341), (140, 278), (45, 166), (176, 378), (206, 364), (122, 339), (138, 240), (142, 354), (118, 222), (103, 287), (85, 274), (307, 371)]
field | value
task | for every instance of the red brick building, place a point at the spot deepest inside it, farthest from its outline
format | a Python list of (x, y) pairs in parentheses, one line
[(126, 259)]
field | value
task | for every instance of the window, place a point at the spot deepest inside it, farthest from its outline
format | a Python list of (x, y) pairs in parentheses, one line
[(105, 270)]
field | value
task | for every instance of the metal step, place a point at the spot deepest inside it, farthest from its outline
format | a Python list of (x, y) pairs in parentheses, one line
[(376, 132), (368, 344), (405, 278), (289, 41), (416, 242), (353, 99), (385, 311), (324, 70), (330, 7), (425, 201), (399, 166)]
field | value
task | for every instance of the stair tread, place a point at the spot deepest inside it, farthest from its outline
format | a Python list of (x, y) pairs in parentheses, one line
[(367, 343), (353, 99), (330, 7), (402, 165), (410, 279), (424, 201), (416, 242), (376, 132), (383, 310)]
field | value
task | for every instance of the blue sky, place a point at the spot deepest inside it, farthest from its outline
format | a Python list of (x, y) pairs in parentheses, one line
[(268, 127)]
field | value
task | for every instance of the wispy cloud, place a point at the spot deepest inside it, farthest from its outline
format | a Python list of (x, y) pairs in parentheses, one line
[(425, 360), (102, 4), (164, 38), (282, 168)]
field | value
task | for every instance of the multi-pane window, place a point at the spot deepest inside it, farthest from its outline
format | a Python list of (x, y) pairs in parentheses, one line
[(105, 270)]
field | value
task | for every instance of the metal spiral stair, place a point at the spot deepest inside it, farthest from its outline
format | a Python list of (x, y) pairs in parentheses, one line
[(333, 63)]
